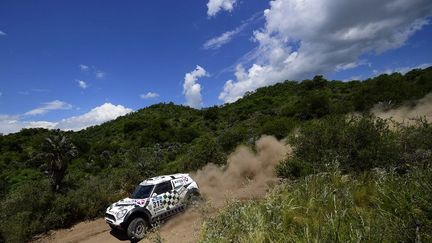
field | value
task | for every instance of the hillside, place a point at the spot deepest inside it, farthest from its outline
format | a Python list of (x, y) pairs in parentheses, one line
[(330, 207), (168, 138)]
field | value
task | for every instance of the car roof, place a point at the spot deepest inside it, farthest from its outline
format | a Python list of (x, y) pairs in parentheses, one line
[(158, 179)]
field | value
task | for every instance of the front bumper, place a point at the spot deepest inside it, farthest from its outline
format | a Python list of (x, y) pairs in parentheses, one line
[(111, 220)]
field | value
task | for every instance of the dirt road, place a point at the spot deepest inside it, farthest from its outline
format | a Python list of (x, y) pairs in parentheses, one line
[(98, 231)]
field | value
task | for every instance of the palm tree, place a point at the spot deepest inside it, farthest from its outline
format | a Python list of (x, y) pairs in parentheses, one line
[(57, 152)]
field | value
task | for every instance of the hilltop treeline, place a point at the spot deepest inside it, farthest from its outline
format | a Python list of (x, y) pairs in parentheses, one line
[(103, 163)]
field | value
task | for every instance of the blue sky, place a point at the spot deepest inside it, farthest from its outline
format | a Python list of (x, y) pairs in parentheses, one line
[(71, 64)]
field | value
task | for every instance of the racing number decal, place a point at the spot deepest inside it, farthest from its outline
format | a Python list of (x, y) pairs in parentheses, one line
[(157, 203)]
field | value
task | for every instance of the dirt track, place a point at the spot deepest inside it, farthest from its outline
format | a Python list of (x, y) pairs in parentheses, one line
[(98, 231)]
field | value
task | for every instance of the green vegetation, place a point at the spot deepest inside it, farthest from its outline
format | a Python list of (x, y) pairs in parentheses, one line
[(378, 206), (358, 143), (57, 152), (349, 180), (47, 185)]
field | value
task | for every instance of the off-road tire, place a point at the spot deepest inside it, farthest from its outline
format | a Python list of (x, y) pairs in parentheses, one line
[(113, 228), (192, 197), (137, 229)]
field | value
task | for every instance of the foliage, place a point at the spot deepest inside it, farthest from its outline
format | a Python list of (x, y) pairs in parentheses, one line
[(278, 127), (356, 144), (330, 207), (168, 138), (202, 151), (57, 152)]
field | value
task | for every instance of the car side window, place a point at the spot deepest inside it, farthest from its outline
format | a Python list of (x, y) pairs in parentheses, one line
[(163, 187)]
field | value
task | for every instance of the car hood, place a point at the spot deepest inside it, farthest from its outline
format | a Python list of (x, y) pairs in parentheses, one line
[(130, 202)]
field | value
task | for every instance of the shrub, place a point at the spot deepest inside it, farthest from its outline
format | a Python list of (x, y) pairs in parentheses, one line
[(186, 135), (356, 144), (293, 168), (278, 127), (232, 137), (203, 150), (23, 209), (314, 104)]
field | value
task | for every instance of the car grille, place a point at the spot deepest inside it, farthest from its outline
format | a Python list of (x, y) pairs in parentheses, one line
[(110, 216)]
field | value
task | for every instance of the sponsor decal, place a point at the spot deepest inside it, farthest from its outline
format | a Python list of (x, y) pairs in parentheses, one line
[(140, 202), (177, 182), (180, 181)]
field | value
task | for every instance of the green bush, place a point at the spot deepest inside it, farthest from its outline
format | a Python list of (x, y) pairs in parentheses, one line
[(356, 143), (202, 151), (278, 127), (232, 137), (314, 104), (23, 209), (293, 168)]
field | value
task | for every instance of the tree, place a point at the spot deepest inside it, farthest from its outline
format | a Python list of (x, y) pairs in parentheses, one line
[(203, 150), (278, 127), (314, 104), (58, 151)]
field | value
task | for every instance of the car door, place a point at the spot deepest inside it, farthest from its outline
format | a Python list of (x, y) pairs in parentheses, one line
[(180, 185), (164, 197)]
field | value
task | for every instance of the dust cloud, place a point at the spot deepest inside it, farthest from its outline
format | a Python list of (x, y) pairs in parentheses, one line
[(247, 174), (406, 114)]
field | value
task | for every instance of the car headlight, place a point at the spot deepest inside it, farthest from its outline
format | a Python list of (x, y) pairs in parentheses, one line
[(120, 214)]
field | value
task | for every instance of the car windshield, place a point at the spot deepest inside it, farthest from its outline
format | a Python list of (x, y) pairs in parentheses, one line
[(142, 192)]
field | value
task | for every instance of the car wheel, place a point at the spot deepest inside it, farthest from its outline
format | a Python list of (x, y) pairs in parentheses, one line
[(137, 229), (192, 197)]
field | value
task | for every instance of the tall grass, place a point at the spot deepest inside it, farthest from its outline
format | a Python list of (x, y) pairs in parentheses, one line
[(374, 206)]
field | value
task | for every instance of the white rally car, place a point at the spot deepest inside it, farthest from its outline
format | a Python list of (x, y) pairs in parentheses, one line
[(153, 200)]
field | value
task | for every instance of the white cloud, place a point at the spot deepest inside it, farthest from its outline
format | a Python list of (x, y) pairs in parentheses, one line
[(82, 84), (97, 115), (11, 124), (217, 42), (149, 95), (303, 38), (355, 77), (224, 38), (84, 67), (192, 89), (100, 74), (402, 70), (2, 33), (214, 6), (351, 65), (40, 124), (49, 106), (8, 124)]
